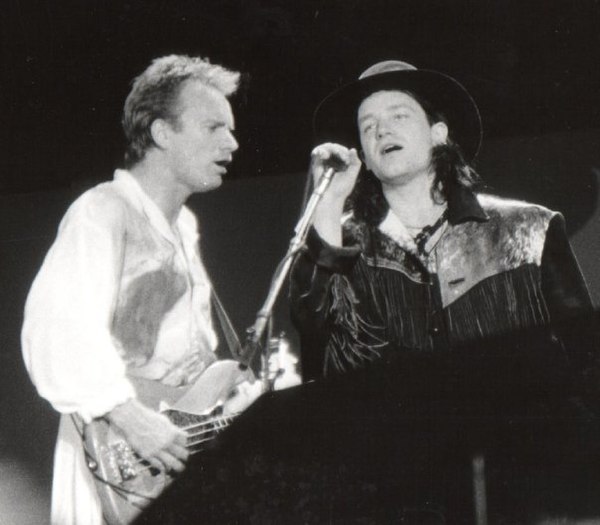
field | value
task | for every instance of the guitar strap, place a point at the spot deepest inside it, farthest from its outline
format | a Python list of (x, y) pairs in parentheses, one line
[(233, 342)]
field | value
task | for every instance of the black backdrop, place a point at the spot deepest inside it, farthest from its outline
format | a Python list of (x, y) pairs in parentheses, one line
[(66, 67)]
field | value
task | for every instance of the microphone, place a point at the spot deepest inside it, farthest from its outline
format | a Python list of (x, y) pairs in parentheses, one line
[(255, 333), (336, 163), (323, 184), (333, 164)]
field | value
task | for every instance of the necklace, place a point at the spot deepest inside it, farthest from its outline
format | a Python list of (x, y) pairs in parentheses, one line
[(426, 233)]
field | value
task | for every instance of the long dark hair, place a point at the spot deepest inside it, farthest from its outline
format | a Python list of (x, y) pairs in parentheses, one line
[(448, 163)]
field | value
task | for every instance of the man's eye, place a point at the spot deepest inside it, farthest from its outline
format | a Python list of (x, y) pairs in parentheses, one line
[(400, 116)]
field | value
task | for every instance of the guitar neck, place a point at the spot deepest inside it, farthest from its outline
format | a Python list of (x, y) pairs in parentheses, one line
[(200, 429)]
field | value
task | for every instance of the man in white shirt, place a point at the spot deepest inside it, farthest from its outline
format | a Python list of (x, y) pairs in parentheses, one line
[(122, 293)]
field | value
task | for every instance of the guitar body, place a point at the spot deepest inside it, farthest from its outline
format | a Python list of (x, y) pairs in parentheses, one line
[(125, 483)]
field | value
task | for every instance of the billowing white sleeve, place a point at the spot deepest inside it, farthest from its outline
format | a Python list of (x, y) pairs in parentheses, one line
[(66, 338)]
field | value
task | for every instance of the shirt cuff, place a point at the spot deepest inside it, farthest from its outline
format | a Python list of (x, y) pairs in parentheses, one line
[(102, 405), (339, 259)]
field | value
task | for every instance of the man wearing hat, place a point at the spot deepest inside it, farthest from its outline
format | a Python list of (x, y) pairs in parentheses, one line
[(404, 256)]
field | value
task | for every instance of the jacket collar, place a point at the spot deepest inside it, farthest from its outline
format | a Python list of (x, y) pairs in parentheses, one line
[(463, 206)]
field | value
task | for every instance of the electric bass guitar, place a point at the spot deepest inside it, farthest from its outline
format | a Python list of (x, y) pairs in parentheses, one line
[(125, 483)]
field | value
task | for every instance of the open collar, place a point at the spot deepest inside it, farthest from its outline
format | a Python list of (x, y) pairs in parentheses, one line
[(146, 205), (463, 206)]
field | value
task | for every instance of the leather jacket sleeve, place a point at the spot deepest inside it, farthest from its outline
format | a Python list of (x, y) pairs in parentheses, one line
[(566, 294), (310, 281)]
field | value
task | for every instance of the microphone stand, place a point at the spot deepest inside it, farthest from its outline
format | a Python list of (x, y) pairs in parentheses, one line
[(254, 334)]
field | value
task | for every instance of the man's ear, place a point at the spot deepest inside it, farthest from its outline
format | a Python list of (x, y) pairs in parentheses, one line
[(439, 133), (160, 131)]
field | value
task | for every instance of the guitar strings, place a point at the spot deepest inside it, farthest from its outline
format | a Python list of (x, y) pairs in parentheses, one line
[(121, 491), (223, 421), (142, 465), (212, 426)]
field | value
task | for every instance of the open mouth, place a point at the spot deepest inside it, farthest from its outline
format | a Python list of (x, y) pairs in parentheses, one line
[(391, 148), (223, 163)]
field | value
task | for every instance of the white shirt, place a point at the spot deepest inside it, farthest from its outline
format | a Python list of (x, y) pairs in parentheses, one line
[(120, 293)]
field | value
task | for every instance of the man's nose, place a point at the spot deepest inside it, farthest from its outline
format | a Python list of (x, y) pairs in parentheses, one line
[(383, 129), (230, 143)]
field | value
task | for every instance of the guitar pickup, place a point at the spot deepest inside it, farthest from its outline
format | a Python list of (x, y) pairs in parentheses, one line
[(124, 459)]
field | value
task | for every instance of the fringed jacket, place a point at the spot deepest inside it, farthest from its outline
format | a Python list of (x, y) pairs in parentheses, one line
[(499, 266)]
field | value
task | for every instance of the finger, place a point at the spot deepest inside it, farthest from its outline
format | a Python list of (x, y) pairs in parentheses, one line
[(180, 438), (180, 452), (155, 463), (325, 151), (322, 151), (170, 462)]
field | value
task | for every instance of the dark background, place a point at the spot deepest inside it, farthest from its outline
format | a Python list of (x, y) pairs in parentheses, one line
[(66, 68)]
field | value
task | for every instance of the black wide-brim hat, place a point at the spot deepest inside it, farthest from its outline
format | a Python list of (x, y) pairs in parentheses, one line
[(335, 117)]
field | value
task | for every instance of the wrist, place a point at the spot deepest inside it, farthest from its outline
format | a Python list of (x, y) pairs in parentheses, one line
[(328, 224), (333, 201), (124, 412)]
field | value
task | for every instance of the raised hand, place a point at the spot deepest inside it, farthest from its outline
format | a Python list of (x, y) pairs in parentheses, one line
[(328, 214)]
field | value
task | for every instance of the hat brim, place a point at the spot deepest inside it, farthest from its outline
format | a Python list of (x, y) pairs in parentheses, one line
[(335, 117)]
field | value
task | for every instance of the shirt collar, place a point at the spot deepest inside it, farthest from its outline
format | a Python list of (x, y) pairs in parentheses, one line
[(394, 228), (462, 207), (137, 194)]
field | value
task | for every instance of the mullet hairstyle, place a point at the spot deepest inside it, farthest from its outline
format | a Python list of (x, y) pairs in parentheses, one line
[(447, 160), (155, 94)]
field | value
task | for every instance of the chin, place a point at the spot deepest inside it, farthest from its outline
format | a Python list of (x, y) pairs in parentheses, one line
[(389, 178), (209, 185)]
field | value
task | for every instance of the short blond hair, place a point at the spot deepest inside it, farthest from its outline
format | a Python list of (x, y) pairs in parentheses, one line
[(154, 95)]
